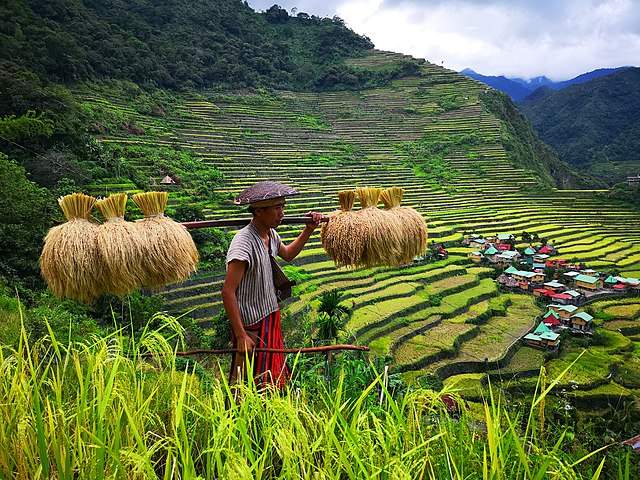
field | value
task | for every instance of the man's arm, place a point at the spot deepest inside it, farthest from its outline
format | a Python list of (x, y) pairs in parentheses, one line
[(291, 251), (235, 272)]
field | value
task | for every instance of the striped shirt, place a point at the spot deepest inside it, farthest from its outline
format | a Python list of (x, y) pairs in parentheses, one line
[(256, 293)]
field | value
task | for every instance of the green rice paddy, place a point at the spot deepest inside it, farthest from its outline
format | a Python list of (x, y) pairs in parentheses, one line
[(284, 136)]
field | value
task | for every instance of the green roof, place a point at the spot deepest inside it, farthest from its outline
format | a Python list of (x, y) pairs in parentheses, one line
[(511, 270), (610, 279), (552, 313), (586, 278), (542, 328), (490, 251), (504, 236), (584, 316), (529, 251), (550, 336)]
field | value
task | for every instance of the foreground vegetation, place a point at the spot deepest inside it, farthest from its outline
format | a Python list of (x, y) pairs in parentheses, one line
[(103, 408)]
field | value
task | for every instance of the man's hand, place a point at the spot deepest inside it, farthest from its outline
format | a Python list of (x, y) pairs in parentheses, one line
[(317, 218), (245, 344)]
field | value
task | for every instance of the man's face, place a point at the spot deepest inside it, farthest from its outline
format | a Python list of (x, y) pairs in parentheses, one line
[(271, 216)]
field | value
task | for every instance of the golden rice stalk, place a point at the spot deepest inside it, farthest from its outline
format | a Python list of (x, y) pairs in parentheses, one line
[(392, 197), (383, 233), (340, 236), (170, 255), (70, 261), (413, 225), (121, 247)]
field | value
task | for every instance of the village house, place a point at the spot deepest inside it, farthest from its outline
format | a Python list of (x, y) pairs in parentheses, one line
[(581, 321), (490, 252), (564, 311), (477, 243), (539, 260), (167, 181), (525, 279), (506, 257), (633, 181), (555, 286), (610, 281), (543, 337), (570, 277), (588, 282), (575, 295), (547, 249), (556, 263), (551, 319), (508, 282), (476, 256), (629, 282)]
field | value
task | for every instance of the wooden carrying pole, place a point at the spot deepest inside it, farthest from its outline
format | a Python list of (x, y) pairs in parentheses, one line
[(241, 222), (320, 349)]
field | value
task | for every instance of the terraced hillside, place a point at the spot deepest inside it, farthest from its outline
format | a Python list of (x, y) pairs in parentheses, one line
[(425, 316)]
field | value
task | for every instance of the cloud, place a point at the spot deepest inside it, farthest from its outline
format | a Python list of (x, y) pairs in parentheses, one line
[(522, 38)]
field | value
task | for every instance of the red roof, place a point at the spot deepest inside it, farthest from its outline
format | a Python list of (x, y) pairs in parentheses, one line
[(504, 246), (545, 249), (551, 320), (544, 291), (619, 286), (555, 262), (561, 296)]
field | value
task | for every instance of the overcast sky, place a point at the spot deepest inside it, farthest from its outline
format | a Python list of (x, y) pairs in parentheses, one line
[(516, 38)]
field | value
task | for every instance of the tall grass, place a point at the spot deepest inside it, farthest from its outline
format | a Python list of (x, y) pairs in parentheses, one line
[(100, 409)]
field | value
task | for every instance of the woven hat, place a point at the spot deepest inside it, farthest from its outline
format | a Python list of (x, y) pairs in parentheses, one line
[(262, 191)]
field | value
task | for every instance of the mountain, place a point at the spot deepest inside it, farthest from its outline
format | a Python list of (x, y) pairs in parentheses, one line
[(515, 89), (176, 43), (593, 125), (56, 57), (519, 89)]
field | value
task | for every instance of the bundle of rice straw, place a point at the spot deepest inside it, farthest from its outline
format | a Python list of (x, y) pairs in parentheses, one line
[(413, 225), (121, 247), (341, 236), (380, 242), (70, 262), (169, 252)]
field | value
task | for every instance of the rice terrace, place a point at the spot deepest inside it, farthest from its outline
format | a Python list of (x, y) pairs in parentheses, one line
[(505, 344)]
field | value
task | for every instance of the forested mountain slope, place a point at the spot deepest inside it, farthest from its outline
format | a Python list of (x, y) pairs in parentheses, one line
[(594, 126), (177, 44)]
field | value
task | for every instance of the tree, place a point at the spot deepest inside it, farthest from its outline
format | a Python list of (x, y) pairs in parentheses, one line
[(332, 316), (26, 212), (276, 14)]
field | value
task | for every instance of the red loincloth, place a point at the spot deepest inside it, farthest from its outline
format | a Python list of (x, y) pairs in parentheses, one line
[(268, 368)]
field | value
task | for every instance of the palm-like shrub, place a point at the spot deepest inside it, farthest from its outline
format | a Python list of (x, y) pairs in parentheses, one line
[(332, 315)]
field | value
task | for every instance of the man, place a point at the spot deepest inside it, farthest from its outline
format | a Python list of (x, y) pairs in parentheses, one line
[(248, 292)]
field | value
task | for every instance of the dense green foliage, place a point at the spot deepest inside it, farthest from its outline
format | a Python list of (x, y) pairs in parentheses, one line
[(595, 125), (100, 409), (525, 148), (26, 213), (175, 44)]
